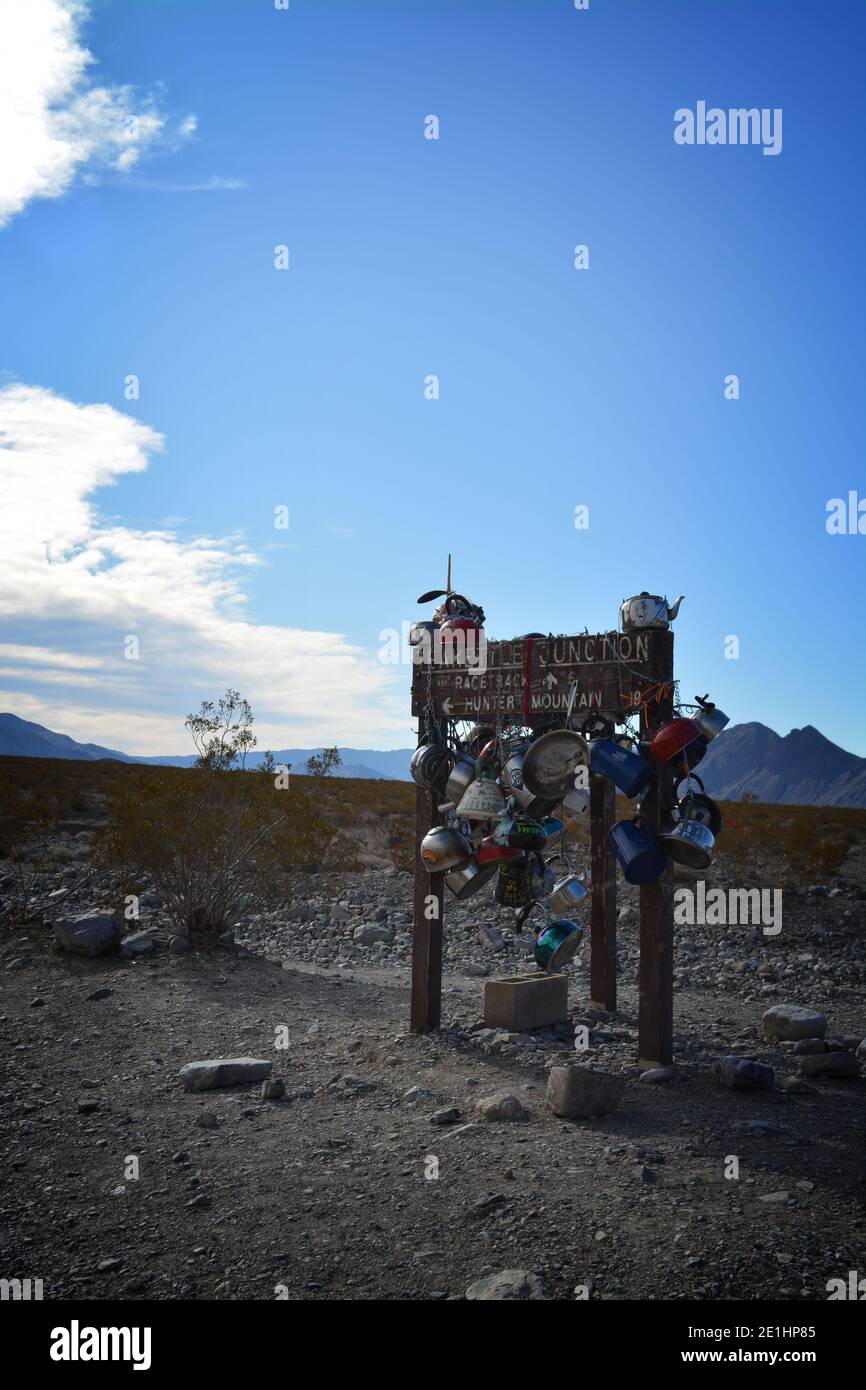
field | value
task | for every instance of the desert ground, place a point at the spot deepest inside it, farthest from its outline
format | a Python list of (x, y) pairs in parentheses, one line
[(387, 1168)]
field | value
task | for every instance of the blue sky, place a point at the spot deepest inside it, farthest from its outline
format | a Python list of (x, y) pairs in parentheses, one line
[(409, 256)]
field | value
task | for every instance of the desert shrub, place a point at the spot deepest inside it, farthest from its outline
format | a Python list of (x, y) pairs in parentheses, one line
[(209, 837), (28, 820)]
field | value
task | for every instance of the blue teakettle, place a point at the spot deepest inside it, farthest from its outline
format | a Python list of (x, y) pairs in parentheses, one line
[(640, 856), (627, 770)]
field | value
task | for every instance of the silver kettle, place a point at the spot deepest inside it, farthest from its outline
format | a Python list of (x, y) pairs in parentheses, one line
[(711, 719), (647, 610)]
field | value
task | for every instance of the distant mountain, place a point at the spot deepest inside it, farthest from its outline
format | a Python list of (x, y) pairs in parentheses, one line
[(19, 738), (385, 765), (802, 769), (23, 739)]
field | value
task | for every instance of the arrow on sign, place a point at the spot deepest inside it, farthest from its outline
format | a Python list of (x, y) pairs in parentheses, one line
[(446, 705), (550, 680)]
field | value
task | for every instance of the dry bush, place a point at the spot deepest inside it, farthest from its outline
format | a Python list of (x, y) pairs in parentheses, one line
[(28, 820), (207, 838)]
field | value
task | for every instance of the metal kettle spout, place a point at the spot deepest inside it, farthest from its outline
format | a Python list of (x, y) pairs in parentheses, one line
[(675, 608)]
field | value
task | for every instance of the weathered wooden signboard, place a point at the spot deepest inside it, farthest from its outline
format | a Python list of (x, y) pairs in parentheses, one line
[(523, 682), (527, 679)]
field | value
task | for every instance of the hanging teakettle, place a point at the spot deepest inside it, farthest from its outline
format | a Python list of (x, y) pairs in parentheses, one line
[(626, 769), (430, 766), (567, 894), (697, 805), (577, 801), (483, 799), (688, 842), (540, 877), (525, 833), (556, 944), (710, 718), (640, 856), (443, 849), (674, 738), (460, 777), (512, 885), (469, 879)]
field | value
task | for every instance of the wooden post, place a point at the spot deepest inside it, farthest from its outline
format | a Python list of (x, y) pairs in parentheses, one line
[(602, 976), (656, 971), (426, 1006)]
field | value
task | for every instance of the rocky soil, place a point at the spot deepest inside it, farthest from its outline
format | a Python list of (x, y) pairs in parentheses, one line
[(380, 1171)]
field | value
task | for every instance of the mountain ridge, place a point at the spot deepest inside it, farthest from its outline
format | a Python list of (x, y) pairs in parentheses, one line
[(802, 767)]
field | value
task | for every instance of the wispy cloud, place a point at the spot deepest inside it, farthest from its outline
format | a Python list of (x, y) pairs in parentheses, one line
[(57, 122), (215, 184), (70, 574)]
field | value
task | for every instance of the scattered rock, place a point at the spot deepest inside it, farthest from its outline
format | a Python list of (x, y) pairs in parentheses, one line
[(416, 1093), (657, 1074), (759, 1128), (273, 1088), (229, 1071), (512, 1284), (796, 1086), (837, 1064), (487, 1203), (206, 1119), (449, 1116), (502, 1106), (98, 994), (371, 932), (350, 1085), (790, 1022), (90, 933), (491, 938), (741, 1074), (579, 1092), (138, 944)]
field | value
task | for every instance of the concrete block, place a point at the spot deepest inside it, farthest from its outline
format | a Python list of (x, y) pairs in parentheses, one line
[(520, 1002)]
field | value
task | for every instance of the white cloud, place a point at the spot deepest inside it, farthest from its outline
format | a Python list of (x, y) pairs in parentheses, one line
[(215, 184), (74, 586), (56, 121)]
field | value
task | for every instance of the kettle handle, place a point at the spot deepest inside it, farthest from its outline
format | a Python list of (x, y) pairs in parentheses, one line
[(689, 777)]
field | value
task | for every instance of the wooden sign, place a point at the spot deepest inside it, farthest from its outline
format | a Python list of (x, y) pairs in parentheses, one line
[(528, 679)]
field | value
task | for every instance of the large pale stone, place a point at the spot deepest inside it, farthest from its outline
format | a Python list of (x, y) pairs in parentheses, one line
[(578, 1092), (223, 1071), (790, 1022)]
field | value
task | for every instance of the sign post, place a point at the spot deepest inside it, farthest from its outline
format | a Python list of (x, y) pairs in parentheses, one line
[(525, 682)]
